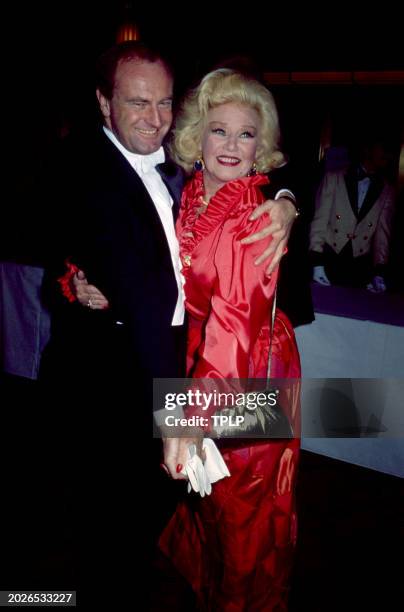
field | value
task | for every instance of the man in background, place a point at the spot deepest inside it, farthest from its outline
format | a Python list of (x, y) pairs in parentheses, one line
[(350, 231)]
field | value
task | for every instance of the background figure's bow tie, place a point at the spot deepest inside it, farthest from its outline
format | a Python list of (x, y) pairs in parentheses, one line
[(148, 162)]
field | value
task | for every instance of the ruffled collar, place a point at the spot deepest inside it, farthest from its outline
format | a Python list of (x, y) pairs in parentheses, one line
[(228, 201)]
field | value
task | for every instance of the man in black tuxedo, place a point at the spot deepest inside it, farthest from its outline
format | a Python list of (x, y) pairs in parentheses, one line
[(121, 196)]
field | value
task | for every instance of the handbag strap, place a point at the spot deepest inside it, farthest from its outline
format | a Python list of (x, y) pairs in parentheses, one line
[(271, 334)]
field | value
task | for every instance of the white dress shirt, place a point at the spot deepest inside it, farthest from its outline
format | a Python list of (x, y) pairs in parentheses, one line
[(363, 187), (144, 165)]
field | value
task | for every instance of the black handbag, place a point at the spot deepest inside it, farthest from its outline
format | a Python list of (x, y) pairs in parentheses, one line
[(264, 421)]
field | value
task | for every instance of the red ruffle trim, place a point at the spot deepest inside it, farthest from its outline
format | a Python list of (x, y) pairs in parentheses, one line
[(66, 280)]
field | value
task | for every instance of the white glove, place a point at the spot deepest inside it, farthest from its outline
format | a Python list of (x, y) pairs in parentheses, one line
[(202, 475), (320, 276), (215, 466), (195, 472), (377, 285)]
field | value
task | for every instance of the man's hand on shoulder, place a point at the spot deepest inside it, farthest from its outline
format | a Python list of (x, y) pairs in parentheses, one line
[(282, 216)]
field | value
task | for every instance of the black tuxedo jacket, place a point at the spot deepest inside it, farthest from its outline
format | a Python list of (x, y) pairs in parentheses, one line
[(109, 226)]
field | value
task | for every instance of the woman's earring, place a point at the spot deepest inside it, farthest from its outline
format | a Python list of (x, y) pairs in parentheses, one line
[(253, 170), (199, 164)]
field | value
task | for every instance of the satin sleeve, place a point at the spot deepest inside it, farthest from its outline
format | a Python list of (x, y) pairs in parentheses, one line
[(241, 302)]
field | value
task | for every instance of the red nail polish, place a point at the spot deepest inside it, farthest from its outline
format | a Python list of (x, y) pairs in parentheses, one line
[(179, 468)]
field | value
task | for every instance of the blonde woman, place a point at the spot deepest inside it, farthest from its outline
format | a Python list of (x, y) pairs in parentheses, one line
[(235, 546)]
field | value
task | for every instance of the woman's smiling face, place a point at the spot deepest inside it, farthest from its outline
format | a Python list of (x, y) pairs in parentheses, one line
[(229, 144)]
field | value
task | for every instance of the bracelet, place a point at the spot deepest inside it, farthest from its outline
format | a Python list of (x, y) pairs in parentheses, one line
[(298, 212)]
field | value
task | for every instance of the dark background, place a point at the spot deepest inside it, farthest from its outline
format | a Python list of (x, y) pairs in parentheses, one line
[(48, 54), (49, 51)]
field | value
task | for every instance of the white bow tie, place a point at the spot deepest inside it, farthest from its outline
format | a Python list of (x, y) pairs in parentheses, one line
[(148, 162)]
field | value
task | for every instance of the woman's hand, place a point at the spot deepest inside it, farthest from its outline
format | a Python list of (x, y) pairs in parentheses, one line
[(176, 452), (88, 295)]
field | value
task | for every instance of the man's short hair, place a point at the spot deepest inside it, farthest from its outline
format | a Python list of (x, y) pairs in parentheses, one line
[(108, 62)]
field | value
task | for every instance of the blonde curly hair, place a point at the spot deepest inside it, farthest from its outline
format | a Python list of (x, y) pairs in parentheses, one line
[(222, 86)]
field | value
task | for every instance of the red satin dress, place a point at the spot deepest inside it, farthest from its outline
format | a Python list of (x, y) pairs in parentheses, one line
[(235, 546)]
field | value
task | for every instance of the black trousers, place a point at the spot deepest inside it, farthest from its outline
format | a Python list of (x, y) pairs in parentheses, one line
[(120, 498)]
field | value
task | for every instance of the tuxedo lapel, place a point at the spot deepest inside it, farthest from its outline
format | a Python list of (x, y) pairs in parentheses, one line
[(131, 185), (373, 193), (173, 178)]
